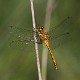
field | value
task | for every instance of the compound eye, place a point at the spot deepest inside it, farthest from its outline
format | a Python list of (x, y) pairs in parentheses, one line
[(41, 27)]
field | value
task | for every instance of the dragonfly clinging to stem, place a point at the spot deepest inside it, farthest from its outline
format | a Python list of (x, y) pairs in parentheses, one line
[(43, 35), (45, 38)]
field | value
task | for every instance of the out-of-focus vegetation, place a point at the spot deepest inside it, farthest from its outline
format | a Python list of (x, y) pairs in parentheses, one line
[(18, 61)]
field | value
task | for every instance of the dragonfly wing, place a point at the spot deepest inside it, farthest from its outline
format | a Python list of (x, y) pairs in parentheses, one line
[(62, 27), (21, 37), (21, 44), (60, 34), (59, 40)]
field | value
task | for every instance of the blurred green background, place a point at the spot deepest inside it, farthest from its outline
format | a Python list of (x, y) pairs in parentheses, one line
[(18, 60)]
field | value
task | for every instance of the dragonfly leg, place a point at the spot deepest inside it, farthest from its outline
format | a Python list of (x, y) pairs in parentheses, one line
[(39, 41), (37, 35)]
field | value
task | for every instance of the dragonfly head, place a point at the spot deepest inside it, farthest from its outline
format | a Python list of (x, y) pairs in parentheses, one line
[(41, 27)]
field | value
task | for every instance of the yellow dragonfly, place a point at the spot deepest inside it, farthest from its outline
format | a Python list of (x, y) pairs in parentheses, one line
[(45, 38), (22, 37)]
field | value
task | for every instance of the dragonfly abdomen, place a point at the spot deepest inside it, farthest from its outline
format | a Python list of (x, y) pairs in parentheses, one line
[(45, 38), (52, 56)]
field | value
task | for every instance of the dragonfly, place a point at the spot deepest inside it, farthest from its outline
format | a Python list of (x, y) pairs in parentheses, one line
[(44, 37)]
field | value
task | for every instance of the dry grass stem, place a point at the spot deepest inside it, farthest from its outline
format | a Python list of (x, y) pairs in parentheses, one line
[(36, 45)]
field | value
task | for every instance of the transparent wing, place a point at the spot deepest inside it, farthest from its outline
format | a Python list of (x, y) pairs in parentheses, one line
[(20, 37), (57, 41), (60, 33), (62, 27)]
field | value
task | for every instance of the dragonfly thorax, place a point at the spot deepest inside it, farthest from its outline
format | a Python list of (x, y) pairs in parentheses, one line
[(42, 33)]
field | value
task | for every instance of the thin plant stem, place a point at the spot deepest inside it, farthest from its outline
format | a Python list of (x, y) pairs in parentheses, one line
[(36, 45), (49, 8)]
